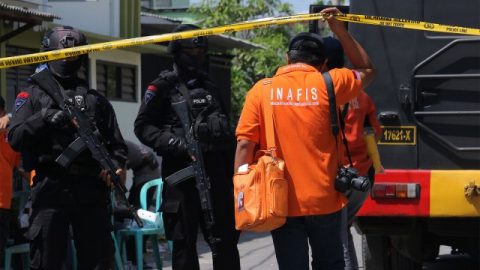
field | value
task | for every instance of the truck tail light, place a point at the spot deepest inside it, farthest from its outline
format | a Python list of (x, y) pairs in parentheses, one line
[(396, 190)]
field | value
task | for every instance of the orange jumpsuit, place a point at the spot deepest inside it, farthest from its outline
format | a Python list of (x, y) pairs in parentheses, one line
[(9, 160)]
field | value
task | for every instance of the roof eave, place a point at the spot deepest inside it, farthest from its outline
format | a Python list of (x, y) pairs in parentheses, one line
[(17, 13)]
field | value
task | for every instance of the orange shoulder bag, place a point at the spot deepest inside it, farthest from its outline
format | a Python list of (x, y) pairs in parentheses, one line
[(261, 193)]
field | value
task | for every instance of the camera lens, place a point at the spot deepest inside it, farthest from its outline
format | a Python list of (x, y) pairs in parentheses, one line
[(361, 183)]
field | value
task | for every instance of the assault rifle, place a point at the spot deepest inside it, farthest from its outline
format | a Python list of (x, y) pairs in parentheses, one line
[(88, 136), (196, 169)]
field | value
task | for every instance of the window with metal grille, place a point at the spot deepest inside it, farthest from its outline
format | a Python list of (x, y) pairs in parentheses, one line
[(162, 3), (17, 77), (117, 81), (155, 4)]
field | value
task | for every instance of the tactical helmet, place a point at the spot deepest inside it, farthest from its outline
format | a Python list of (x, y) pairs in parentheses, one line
[(308, 42), (191, 43), (62, 37)]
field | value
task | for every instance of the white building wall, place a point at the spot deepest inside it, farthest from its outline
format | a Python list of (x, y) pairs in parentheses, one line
[(125, 111), (97, 16)]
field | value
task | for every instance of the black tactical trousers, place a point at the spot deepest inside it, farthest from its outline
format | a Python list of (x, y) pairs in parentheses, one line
[(182, 227), (79, 203), (183, 216), (4, 226), (49, 235)]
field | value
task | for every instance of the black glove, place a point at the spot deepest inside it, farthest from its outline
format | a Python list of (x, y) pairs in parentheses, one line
[(218, 126), (55, 118), (177, 146)]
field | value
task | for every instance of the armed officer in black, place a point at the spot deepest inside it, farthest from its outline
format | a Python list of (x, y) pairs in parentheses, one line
[(79, 194), (157, 125)]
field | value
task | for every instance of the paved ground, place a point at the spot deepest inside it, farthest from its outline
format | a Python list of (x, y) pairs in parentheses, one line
[(256, 253)]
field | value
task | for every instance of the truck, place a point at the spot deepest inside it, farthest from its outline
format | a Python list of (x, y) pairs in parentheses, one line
[(427, 94)]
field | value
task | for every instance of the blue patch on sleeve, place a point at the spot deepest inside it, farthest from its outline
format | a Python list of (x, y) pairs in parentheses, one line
[(149, 95), (19, 103), (41, 67)]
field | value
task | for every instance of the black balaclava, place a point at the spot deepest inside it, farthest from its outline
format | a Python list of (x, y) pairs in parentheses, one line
[(59, 38), (188, 64)]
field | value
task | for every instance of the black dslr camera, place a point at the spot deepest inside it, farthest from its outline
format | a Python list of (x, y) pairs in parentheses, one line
[(347, 177)]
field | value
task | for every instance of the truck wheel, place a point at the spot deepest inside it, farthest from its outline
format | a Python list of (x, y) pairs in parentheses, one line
[(379, 254), (474, 254), (374, 251), (400, 262)]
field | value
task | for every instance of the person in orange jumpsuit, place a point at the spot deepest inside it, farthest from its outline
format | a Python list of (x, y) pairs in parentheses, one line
[(304, 139), (9, 160), (360, 121)]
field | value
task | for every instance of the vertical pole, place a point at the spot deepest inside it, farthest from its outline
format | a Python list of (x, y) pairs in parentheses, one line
[(3, 71)]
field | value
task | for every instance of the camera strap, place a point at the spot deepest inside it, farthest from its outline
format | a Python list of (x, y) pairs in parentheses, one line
[(269, 121), (334, 119)]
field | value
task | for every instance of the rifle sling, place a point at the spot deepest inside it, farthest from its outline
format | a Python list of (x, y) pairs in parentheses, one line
[(182, 88), (188, 172), (49, 85)]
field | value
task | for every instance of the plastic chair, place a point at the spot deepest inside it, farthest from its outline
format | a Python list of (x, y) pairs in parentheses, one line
[(152, 232), (118, 258), (23, 249)]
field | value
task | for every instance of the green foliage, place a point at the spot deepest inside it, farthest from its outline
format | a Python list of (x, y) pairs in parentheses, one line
[(248, 66)]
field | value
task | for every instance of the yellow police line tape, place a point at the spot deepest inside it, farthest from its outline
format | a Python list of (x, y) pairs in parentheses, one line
[(120, 44)]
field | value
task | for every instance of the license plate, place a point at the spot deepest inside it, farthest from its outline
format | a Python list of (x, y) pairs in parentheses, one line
[(398, 135)]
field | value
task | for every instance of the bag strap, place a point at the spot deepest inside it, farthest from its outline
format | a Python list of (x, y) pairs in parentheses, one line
[(269, 120), (333, 114), (345, 110), (332, 102)]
